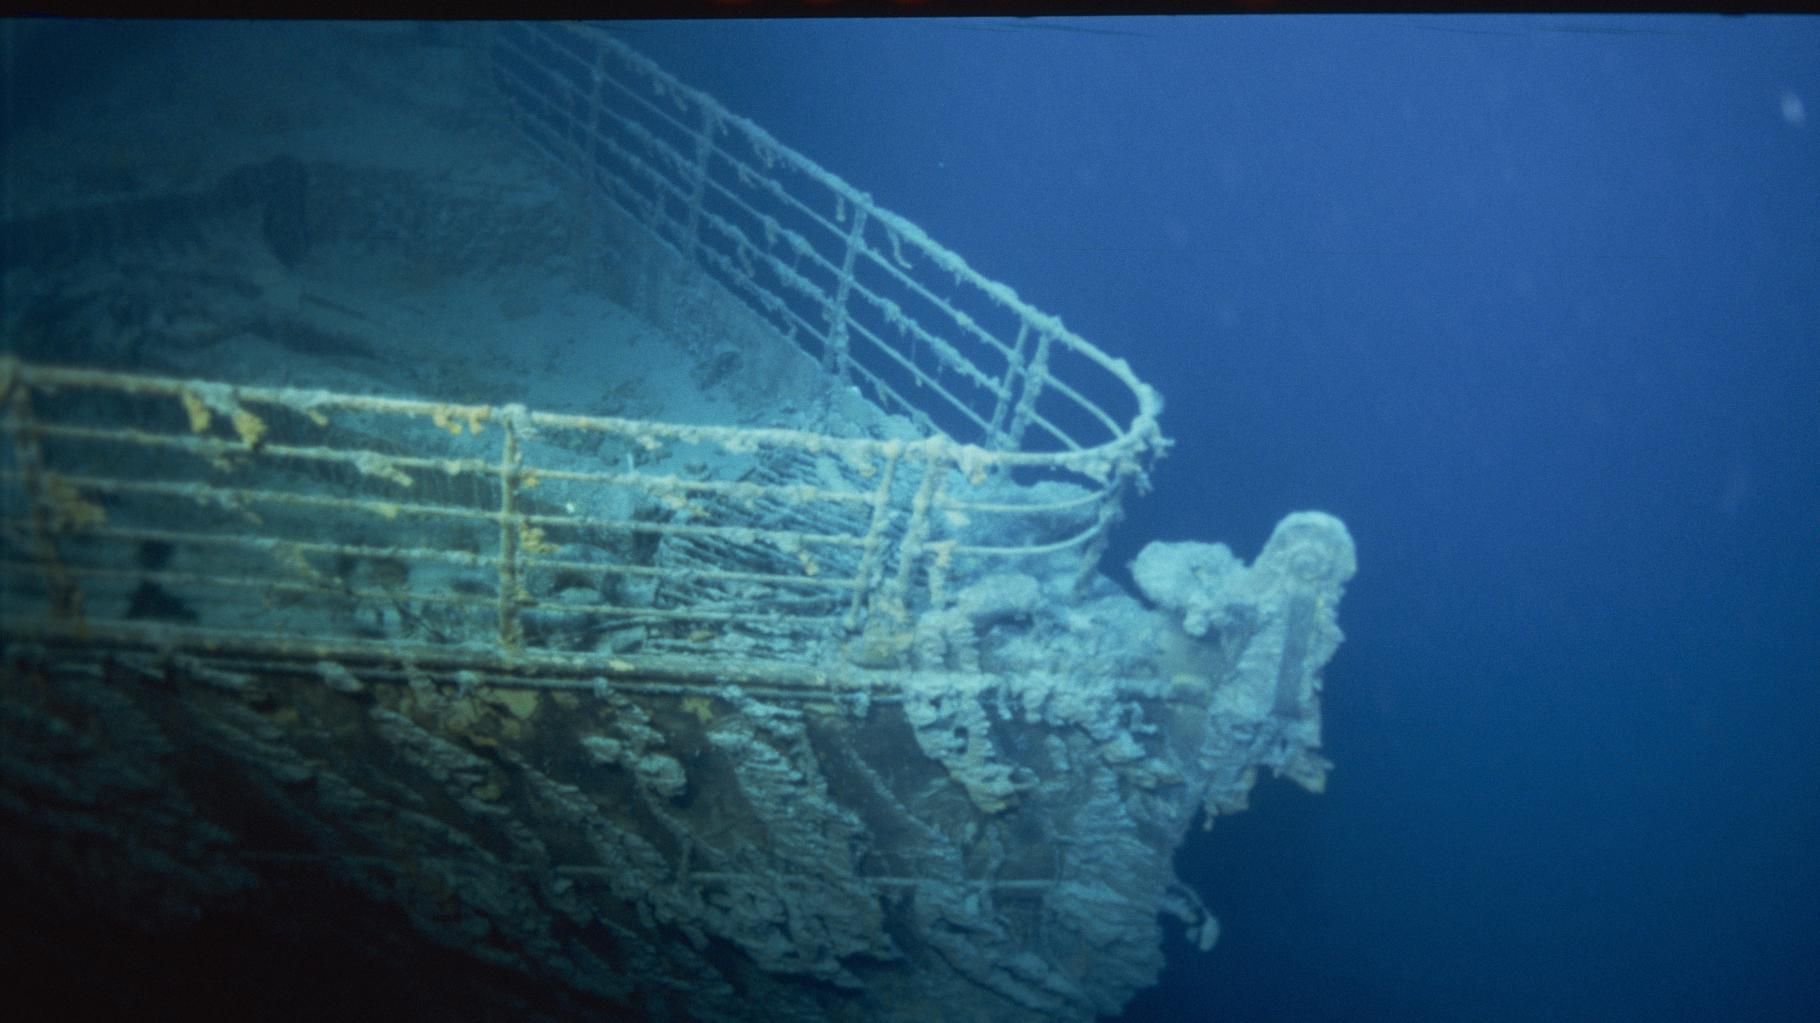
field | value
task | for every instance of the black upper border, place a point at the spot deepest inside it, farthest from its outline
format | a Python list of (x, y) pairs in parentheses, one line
[(680, 9)]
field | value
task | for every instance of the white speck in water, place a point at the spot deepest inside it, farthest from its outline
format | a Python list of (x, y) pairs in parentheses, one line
[(1793, 110)]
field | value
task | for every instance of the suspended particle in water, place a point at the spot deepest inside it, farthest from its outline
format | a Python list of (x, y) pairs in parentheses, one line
[(1794, 112)]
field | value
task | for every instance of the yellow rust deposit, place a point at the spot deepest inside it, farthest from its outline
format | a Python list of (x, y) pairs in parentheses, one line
[(69, 510), (453, 417), (522, 703), (531, 540), (700, 706), (249, 427), (198, 412)]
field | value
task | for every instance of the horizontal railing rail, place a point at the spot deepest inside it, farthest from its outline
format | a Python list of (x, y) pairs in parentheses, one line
[(862, 289), (134, 505)]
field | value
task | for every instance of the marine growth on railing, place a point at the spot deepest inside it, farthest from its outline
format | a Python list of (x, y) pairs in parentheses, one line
[(865, 291), (157, 511)]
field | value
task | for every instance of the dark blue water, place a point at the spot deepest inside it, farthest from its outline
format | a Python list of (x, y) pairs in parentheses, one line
[(1534, 304)]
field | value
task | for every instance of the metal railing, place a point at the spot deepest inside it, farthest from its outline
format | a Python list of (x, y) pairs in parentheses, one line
[(262, 522), (315, 525), (865, 291)]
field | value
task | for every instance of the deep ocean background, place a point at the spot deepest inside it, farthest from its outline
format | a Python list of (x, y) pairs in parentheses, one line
[(1533, 303)]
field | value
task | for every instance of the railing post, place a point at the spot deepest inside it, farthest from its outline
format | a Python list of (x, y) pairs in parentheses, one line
[(1014, 370), (1036, 374), (511, 630), (834, 357), (1111, 510), (916, 530), (866, 586)]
